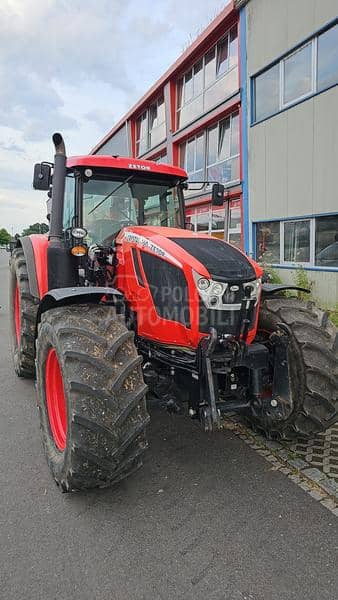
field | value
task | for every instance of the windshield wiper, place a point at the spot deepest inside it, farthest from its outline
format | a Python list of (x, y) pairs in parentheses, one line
[(111, 193)]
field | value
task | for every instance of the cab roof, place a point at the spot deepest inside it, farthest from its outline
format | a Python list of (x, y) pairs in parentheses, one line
[(129, 164)]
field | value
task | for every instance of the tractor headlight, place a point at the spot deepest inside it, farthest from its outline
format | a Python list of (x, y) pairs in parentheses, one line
[(203, 283), (218, 289), (79, 233)]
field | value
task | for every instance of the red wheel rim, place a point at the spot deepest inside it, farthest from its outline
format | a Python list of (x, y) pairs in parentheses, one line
[(17, 315), (56, 402)]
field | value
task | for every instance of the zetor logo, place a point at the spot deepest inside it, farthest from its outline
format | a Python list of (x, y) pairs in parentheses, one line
[(139, 167)]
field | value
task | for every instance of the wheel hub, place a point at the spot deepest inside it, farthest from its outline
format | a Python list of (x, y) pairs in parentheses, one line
[(56, 402)]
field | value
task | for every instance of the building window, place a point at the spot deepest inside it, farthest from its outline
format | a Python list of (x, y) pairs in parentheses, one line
[(192, 157), (326, 249), (298, 75), (234, 233), (327, 61), (151, 127), (162, 158), (267, 93), (309, 69), (211, 220), (142, 141), (223, 151), (297, 241), (308, 242), (211, 80), (268, 242), (214, 154)]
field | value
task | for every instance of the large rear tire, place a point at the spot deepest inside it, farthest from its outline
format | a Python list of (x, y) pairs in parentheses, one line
[(313, 369), (91, 396), (23, 311)]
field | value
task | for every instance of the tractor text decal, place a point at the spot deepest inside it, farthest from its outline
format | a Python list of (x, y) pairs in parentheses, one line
[(146, 244)]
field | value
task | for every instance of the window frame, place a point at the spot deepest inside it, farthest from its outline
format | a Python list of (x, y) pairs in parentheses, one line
[(311, 40), (282, 240), (282, 103), (311, 264)]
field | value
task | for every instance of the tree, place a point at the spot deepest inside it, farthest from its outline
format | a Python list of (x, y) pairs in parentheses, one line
[(36, 228), (5, 237)]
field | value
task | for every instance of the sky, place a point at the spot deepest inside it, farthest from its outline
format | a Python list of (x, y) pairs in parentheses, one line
[(76, 66)]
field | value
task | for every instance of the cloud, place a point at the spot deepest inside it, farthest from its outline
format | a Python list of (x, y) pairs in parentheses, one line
[(78, 67), (102, 118), (12, 147)]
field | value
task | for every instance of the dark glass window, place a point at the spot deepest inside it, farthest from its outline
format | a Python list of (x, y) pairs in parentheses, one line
[(326, 247), (268, 242), (327, 61), (267, 93), (297, 241)]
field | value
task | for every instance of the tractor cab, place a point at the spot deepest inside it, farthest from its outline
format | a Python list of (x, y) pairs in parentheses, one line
[(103, 194)]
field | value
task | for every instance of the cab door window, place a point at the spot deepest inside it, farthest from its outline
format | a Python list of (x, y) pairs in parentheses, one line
[(69, 203)]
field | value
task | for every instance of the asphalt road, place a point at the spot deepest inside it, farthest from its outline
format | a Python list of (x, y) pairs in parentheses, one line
[(205, 518)]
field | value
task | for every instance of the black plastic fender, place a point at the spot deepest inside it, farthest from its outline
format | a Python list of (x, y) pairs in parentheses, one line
[(272, 288), (79, 295)]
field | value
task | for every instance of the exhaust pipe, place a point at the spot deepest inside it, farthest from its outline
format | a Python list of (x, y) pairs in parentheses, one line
[(58, 190)]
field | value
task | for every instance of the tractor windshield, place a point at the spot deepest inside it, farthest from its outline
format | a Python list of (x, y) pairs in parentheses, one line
[(109, 205)]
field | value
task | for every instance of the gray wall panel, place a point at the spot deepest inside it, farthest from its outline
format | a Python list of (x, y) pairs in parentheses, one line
[(299, 167), (324, 284), (325, 173), (276, 166)]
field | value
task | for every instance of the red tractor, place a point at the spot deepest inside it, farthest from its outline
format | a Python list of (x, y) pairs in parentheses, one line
[(121, 298)]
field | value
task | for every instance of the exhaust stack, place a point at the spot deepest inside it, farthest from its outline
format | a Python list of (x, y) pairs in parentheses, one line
[(58, 190)]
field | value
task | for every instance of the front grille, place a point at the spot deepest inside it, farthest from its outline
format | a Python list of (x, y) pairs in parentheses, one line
[(168, 288), (224, 321)]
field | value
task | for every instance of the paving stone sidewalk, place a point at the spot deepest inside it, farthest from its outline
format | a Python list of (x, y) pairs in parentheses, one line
[(312, 465)]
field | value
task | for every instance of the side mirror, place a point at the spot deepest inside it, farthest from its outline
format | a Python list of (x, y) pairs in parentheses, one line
[(42, 176), (217, 194)]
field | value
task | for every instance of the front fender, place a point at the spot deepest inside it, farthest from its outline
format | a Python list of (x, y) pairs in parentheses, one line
[(35, 250), (271, 288), (78, 295)]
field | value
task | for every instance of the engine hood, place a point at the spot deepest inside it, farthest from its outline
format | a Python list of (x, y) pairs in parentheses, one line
[(208, 256)]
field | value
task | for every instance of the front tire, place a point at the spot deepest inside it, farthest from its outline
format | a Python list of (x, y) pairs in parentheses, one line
[(91, 396), (312, 356)]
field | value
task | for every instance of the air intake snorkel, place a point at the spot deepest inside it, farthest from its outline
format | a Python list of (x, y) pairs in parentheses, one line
[(58, 190)]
